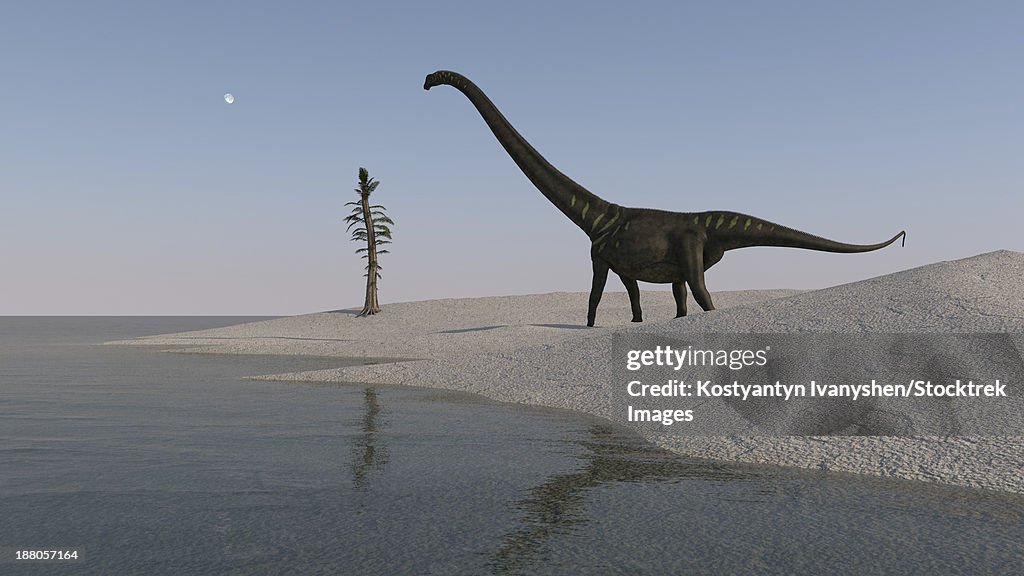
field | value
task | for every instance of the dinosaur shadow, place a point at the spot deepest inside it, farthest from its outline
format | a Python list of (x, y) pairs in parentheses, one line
[(563, 326), (478, 329)]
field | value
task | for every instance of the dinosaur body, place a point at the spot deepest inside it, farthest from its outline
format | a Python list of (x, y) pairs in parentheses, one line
[(640, 244)]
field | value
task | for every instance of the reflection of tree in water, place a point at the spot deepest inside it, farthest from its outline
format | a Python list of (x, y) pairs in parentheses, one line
[(557, 506), (367, 454)]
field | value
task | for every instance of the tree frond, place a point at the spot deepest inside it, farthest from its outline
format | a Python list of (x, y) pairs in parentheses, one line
[(362, 225), (366, 184)]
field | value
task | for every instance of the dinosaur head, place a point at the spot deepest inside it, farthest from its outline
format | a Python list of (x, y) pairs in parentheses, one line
[(431, 81), (441, 77)]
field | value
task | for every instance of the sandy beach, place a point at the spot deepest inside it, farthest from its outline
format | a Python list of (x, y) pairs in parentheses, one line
[(536, 350)]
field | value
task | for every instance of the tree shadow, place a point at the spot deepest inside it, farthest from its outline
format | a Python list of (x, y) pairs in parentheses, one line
[(346, 312)]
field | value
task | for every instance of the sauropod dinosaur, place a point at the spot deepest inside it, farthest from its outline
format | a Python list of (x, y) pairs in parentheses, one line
[(641, 244)]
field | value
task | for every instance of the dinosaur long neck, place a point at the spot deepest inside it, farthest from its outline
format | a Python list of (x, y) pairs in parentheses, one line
[(584, 208)]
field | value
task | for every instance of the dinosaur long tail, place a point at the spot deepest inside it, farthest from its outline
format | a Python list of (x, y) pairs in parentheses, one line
[(732, 230)]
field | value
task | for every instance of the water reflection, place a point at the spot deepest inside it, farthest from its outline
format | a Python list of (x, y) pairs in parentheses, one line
[(626, 503), (369, 453), (103, 441), (558, 505)]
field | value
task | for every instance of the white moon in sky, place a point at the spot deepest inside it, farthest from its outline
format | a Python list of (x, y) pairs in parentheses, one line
[(229, 98)]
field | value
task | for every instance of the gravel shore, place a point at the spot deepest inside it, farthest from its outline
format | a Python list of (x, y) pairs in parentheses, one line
[(537, 350)]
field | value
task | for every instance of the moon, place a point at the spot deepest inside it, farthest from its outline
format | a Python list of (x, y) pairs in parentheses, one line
[(229, 98)]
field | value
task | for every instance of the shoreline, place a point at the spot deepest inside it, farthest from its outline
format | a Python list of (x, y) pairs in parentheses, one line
[(535, 350)]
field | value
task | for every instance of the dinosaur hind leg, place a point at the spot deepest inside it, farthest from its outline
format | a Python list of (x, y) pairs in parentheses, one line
[(634, 297), (596, 289), (679, 293), (695, 277)]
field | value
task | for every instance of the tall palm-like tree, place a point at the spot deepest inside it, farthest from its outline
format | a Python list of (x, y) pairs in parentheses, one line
[(371, 222)]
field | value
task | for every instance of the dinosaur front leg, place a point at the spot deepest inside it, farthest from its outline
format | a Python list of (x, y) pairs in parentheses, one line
[(596, 289), (679, 293), (634, 297), (695, 277)]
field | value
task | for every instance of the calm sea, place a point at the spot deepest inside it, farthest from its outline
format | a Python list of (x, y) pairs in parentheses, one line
[(147, 462)]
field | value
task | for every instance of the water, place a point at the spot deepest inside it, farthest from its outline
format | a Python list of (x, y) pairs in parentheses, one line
[(157, 463)]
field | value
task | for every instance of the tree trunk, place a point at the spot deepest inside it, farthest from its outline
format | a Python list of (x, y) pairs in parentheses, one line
[(370, 305)]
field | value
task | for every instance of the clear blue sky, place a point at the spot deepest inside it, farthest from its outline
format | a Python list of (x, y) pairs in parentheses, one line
[(129, 186)]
